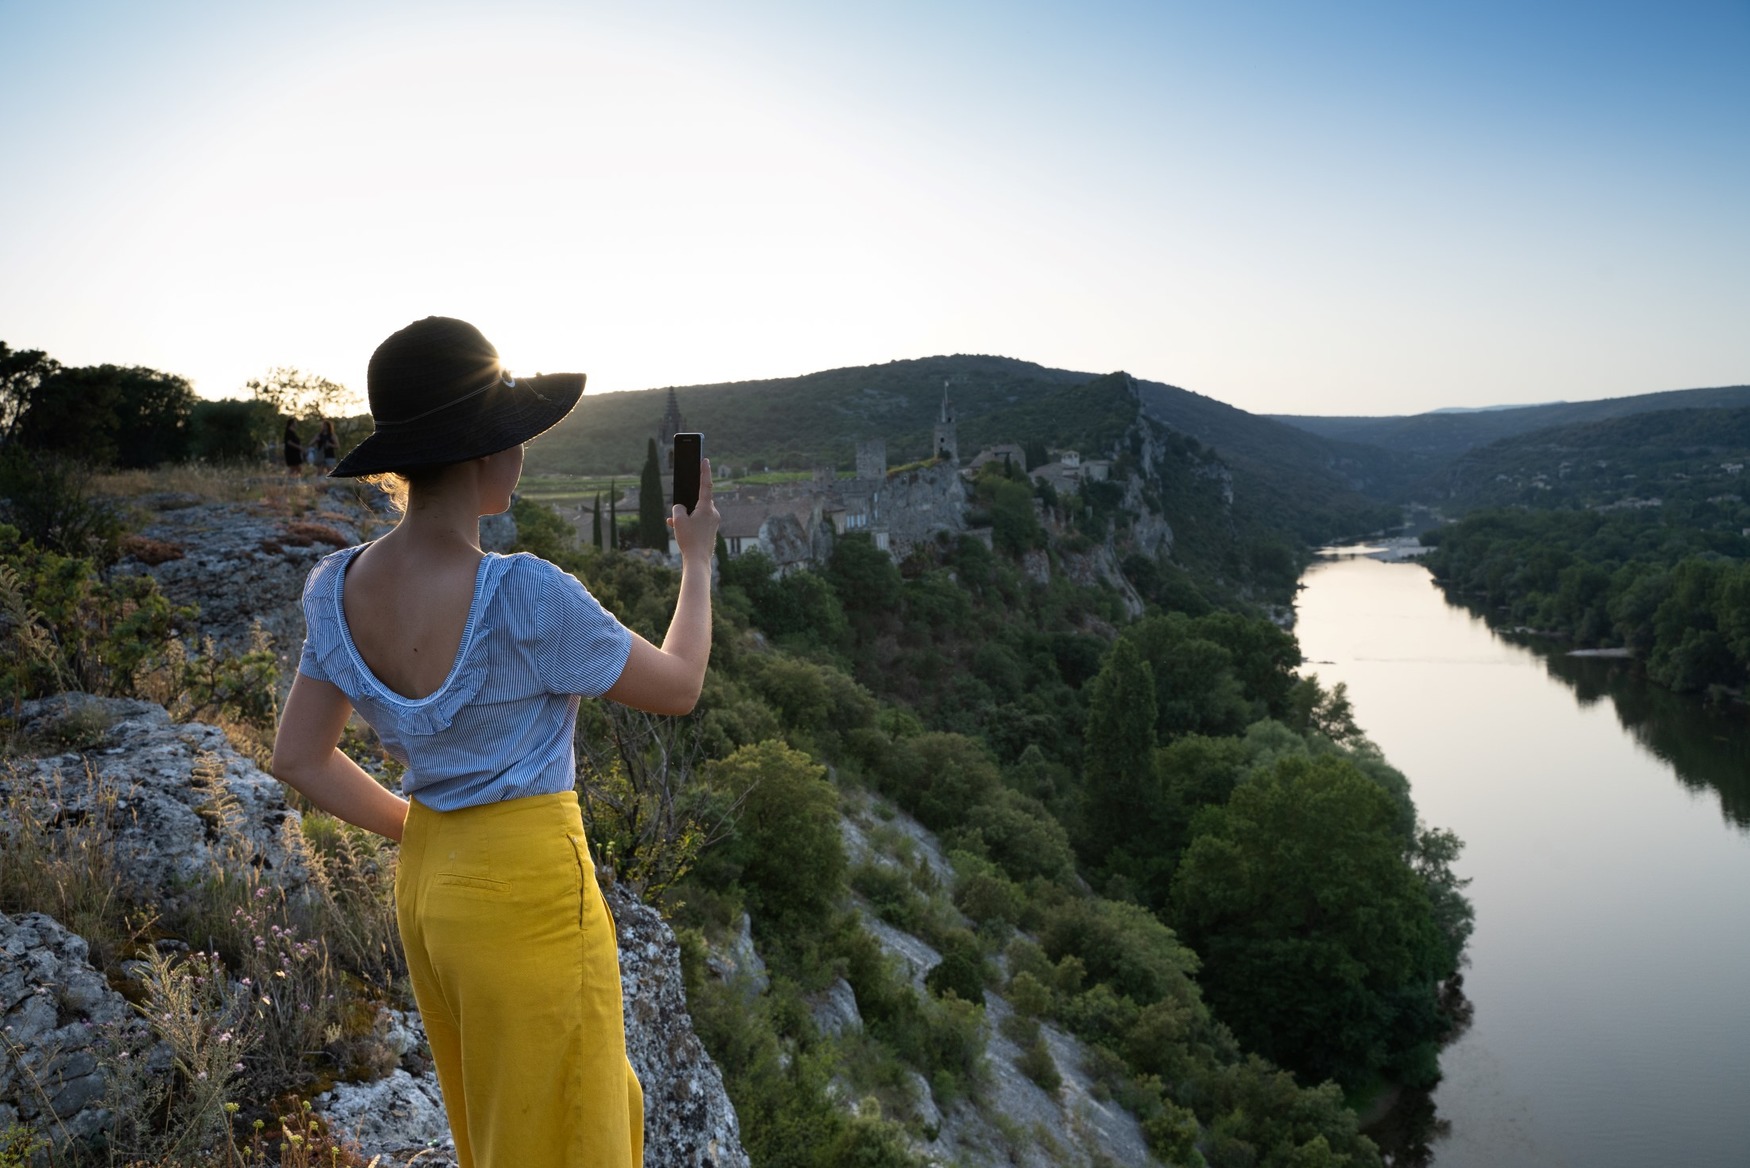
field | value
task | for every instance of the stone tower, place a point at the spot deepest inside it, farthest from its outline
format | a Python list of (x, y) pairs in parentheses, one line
[(671, 424), (872, 459), (947, 444)]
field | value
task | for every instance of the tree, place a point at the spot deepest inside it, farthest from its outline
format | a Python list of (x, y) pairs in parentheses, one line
[(939, 777), (1014, 526), (310, 398), (1122, 797), (105, 414), (786, 849), (230, 430), (1318, 940), (864, 576), (613, 515), (596, 523), (652, 525), (22, 372)]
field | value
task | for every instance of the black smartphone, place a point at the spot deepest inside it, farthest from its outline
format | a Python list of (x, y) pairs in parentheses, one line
[(689, 454)]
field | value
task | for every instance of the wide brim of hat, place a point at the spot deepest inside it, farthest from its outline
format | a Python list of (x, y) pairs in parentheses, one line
[(506, 415)]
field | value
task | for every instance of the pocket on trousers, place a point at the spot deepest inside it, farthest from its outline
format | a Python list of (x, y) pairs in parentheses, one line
[(479, 885)]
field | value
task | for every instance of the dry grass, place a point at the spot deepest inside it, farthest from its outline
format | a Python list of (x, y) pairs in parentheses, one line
[(57, 856), (259, 1010), (211, 484)]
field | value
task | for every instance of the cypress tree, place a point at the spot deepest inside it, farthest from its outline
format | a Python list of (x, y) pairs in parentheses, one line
[(1117, 767), (652, 530), (596, 523), (614, 515)]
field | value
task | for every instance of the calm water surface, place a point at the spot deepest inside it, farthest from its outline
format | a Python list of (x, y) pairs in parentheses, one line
[(1607, 833)]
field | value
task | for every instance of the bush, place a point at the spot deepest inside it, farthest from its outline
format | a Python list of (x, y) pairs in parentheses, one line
[(961, 971), (786, 847), (939, 777), (47, 498), (66, 628)]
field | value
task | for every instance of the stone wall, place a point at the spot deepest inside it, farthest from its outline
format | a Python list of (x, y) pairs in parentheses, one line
[(915, 505)]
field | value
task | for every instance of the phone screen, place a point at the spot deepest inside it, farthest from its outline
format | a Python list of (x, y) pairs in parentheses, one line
[(689, 452)]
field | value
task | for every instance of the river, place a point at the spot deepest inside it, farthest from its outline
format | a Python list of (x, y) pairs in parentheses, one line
[(1607, 837)]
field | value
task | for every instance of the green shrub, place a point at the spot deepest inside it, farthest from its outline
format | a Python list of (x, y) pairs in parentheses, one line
[(891, 895), (961, 971), (786, 849), (48, 499)]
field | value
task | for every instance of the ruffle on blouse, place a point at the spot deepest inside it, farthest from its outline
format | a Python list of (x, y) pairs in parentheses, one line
[(405, 717)]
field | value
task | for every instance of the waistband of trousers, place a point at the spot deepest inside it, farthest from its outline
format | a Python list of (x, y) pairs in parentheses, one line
[(529, 813)]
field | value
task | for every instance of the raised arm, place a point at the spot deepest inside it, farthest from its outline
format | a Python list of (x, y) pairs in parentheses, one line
[(306, 756), (668, 680)]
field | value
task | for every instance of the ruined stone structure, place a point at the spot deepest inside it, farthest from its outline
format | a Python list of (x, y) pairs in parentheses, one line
[(946, 438), (794, 525), (872, 459)]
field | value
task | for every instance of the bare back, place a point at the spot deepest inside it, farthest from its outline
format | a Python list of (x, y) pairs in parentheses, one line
[(407, 608)]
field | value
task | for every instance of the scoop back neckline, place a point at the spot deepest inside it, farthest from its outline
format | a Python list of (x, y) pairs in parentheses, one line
[(358, 659)]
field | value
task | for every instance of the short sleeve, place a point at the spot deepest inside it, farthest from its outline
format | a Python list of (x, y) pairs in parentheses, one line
[(309, 663), (310, 659), (579, 647)]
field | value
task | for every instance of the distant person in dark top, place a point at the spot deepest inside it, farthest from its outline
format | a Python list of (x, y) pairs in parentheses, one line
[(294, 449)]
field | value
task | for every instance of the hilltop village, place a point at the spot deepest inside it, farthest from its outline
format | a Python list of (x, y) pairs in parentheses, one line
[(794, 524)]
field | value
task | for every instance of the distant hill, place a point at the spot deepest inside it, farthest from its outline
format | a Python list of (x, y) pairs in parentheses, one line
[(1431, 440), (1287, 480), (817, 419), (1693, 459), (1280, 470)]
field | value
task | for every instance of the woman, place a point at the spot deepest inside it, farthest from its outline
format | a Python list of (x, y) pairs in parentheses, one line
[(470, 667), (327, 445), (294, 449)]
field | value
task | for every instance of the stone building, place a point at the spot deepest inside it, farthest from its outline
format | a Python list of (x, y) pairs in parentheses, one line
[(795, 524)]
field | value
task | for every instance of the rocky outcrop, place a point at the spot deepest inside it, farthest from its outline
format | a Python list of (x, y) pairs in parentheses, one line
[(54, 1010), (738, 963), (688, 1120), (176, 800), (177, 803), (241, 563)]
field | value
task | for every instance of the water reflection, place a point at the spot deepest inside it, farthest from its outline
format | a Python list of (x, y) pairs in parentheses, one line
[(1704, 745), (1613, 927)]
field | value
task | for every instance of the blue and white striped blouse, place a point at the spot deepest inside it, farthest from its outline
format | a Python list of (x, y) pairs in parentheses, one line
[(501, 724)]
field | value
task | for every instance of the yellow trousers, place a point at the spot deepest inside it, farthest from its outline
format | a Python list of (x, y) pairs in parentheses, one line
[(514, 965)]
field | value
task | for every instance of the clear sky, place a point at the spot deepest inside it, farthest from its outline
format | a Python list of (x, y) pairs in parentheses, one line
[(1329, 208)]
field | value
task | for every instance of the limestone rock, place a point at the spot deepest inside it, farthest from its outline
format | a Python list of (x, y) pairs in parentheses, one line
[(394, 1117), (136, 772), (688, 1119), (244, 562), (739, 962), (141, 778), (834, 1010), (54, 1010)]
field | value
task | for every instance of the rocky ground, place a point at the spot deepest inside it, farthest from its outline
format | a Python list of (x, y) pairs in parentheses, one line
[(135, 767)]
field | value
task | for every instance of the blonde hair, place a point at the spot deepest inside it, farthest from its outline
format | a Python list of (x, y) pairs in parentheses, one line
[(399, 484), (393, 484)]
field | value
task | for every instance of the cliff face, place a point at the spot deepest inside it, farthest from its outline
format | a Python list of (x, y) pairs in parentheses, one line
[(177, 807)]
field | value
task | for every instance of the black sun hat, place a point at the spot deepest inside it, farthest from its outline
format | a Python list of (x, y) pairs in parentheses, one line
[(439, 395)]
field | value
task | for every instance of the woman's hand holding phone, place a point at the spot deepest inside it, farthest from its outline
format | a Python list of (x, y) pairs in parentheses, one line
[(696, 532)]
